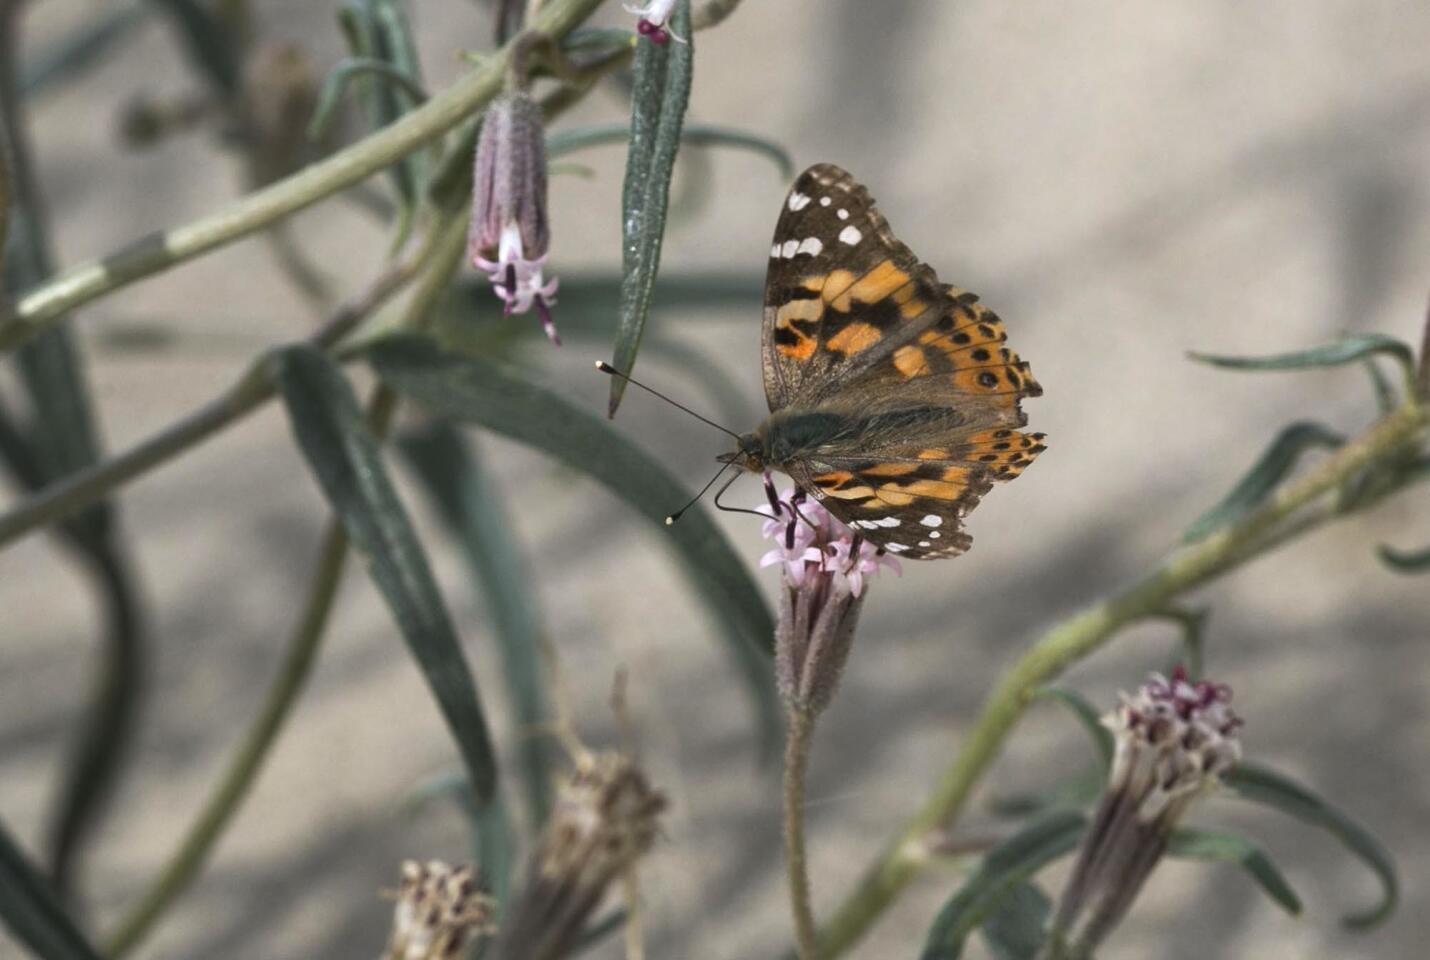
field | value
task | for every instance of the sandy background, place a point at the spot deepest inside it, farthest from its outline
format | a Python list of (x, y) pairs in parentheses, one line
[(1122, 182)]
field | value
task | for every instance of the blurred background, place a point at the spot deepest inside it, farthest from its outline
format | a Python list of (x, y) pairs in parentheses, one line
[(1121, 182)]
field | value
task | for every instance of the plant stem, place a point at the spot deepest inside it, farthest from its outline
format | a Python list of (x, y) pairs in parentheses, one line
[(303, 645), (41, 307), (1085, 632), (797, 740)]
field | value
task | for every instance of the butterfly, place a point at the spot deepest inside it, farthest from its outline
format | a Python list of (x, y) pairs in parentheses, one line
[(893, 399)]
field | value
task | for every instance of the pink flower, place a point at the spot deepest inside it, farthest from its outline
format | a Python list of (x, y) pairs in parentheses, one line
[(654, 21), (509, 232)]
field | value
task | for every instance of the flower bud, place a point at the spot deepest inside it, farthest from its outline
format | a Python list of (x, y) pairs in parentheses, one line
[(604, 821), (438, 910), (825, 568), (509, 232), (654, 21), (1174, 739)]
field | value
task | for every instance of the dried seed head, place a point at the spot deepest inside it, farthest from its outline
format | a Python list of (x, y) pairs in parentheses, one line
[(439, 909), (825, 569), (509, 233), (1174, 739), (605, 819)]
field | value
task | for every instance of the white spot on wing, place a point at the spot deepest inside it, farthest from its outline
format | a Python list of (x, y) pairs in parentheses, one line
[(850, 235), (775, 252), (811, 246), (934, 535), (798, 201), (789, 248), (932, 520), (888, 521), (925, 543), (895, 547), (824, 201), (843, 214)]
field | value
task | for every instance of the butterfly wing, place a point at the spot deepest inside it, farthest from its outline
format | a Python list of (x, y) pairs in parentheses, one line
[(917, 373)]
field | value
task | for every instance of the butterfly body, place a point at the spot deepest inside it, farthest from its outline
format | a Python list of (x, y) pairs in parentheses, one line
[(893, 398)]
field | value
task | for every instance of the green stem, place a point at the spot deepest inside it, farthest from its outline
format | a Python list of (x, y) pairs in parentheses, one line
[(1085, 632), (41, 307), (189, 859), (797, 740), (67, 496)]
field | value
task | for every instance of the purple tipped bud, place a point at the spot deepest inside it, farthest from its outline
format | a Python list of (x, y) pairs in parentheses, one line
[(438, 912), (825, 568), (509, 233), (1174, 740)]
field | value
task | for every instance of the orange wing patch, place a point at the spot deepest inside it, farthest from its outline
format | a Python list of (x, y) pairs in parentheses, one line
[(1005, 453)]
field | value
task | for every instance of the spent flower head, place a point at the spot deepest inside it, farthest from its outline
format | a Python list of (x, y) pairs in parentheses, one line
[(654, 21), (439, 909), (605, 819), (509, 232), (825, 569), (1175, 737)]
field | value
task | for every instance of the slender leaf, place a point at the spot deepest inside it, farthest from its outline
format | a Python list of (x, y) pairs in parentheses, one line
[(1017, 928), (1087, 716), (341, 76), (1005, 867), (211, 48), (1264, 785), (345, 459), (496, 849), (481, 392), (1384, 391), (1188, 844), (662, 92), (1405, 561), (692, 135), (1345, 350), (80, 50), (1269, 470), (472, 508), (32, 911)]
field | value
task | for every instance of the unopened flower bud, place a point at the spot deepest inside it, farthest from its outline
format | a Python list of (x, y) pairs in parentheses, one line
[(605, 820), (439, 909), (1174, 739), (509, 232), (825, 568)]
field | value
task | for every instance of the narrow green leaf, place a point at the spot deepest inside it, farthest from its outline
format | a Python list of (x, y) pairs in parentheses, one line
[(662, 92), (1189, 844), (694, 135), (1405, 561), (1270, 468), (1385, 400), (471, 506), (80, 50), (210, 46), (32, 911), (481, 392), (345, 459), (1010, 864), (496, 852), (1017, 928), (341, 76), (1264, 785), (1345, 350), (1087, 717)]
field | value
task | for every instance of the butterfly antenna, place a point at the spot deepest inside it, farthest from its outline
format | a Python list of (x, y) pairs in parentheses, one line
[(721, 506), (670, 520), (605, 367)]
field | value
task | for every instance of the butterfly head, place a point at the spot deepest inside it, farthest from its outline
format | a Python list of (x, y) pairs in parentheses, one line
[(749, 454)]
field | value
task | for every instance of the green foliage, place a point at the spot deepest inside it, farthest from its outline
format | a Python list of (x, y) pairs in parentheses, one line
[(1188, 844), (662, 92), (344, 457), (32, 911)]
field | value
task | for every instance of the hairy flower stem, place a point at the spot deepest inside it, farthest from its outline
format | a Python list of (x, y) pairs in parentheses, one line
[(42, 307), (799, 733), (184, 866), (1085, 632)]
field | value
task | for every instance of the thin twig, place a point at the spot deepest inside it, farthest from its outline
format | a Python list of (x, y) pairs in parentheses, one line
[(1075, 638), (73, 493), (797, 740), (41, 307)]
